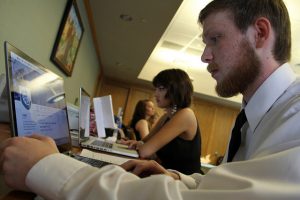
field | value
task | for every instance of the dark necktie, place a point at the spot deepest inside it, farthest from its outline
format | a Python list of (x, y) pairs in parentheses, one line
[(235, 140)]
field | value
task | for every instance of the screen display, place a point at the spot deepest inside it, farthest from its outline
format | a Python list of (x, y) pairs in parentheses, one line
[(84, 115), (37, 98)]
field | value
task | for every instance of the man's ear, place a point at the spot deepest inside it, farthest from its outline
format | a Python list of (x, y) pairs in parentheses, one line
[(263, 29)]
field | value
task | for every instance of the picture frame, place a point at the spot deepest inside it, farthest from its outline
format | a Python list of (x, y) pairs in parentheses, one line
[(68, 39)]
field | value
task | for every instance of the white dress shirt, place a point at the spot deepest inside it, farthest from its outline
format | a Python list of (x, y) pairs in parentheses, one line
[(269, 166)]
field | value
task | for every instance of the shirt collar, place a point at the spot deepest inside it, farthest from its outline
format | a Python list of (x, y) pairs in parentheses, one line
[(267, 94)]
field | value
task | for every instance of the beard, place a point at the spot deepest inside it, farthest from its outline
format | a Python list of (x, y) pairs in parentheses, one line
[(244, 72)]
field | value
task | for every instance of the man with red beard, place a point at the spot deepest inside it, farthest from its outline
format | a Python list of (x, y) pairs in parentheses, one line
[(248, 45)]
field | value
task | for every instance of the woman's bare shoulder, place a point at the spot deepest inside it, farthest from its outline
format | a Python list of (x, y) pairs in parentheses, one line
[(185, 112)]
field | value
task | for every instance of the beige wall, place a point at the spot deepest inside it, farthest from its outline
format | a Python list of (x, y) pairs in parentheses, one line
[(32, 26)]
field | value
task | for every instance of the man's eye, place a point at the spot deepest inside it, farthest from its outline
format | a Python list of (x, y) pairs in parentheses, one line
[(213, 40)]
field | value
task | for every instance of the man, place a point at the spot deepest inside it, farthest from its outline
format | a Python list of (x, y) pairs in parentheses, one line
[(248, 43)]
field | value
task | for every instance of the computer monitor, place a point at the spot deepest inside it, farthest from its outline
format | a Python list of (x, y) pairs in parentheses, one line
[(84, 115), (36, 99)]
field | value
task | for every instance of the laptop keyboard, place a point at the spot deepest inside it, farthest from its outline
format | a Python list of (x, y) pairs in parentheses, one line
[(102, 144), (91, 161)]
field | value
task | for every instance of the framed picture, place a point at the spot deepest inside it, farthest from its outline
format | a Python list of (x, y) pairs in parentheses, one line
[(68, 39)]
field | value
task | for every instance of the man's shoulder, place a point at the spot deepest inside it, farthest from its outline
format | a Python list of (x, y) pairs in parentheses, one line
[(291, 97), (294, 88)]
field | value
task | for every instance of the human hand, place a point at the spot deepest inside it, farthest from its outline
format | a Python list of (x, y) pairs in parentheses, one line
[(144, 168), (132, 144), (19, 154)]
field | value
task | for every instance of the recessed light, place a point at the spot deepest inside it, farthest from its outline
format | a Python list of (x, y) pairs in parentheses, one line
[(126, 17), (143, 20)]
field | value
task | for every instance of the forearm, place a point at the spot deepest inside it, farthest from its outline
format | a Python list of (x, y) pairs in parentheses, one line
[(253, 179), (60, 177), (156, 128)]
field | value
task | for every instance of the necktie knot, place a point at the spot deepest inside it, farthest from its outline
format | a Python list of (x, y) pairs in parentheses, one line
[(235, 140)]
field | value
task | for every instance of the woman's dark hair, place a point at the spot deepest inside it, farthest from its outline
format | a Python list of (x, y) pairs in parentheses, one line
[(245, 12), (178, 84), (139, 112)]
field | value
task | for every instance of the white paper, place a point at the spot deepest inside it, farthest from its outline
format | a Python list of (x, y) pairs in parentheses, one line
[(104, 157), (104, 114), (85, 115)]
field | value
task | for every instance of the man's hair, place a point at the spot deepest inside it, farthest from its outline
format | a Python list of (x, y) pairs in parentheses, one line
[(178, 84), (245, 12)]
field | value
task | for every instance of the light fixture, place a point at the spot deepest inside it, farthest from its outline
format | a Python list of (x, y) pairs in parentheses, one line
[(126, 17), (56, 97)]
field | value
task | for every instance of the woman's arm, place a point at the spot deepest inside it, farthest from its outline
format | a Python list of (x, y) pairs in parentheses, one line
[(142, 128), (156, 127), (183, 123)]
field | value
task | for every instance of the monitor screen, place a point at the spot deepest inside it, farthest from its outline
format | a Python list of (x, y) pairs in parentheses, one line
[(84, 115), (36, 98)]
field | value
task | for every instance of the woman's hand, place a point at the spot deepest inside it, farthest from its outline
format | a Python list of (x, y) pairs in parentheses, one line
[(144, 168), (132, 144)]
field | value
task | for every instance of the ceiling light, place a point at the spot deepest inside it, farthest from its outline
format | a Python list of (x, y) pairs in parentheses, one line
[(126, 17), (56, 98)]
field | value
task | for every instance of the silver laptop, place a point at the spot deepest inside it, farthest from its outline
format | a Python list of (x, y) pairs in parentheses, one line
[(96, 143), (37, 101), (4, 116)]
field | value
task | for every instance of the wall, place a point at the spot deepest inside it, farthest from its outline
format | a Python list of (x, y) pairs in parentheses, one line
[(32, 26)]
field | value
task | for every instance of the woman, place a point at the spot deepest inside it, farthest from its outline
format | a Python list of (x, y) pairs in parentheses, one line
[(175, 139), (143, 118)]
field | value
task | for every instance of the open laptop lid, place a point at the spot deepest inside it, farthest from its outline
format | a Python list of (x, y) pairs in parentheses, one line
[(84, 115), (36, 99), (4, 113)]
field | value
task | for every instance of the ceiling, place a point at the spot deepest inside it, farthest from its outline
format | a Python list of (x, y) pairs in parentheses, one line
[(156, 35)]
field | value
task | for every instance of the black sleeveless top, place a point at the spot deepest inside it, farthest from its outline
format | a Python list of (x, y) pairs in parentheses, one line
[(137, 134), (182, 155)]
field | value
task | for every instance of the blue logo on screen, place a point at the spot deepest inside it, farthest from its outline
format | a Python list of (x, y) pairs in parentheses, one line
[(26, 101)]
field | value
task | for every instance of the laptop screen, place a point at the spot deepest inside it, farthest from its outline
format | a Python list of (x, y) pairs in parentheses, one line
[(84, 115), (36, 99)]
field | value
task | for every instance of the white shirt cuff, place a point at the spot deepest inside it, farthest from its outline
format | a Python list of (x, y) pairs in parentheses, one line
[(51, 171)]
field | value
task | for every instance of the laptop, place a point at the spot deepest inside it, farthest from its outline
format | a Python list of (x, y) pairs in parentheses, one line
[(97, 143), (4, 115), (37, 100)]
